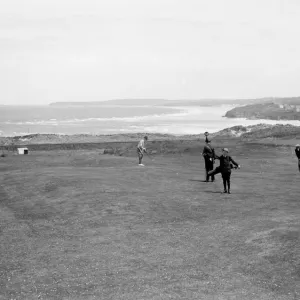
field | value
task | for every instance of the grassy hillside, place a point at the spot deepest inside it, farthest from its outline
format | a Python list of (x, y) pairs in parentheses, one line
[(79, 225), (160, 143), (261, 131), (82, 138), (125, 148), (274, 132)]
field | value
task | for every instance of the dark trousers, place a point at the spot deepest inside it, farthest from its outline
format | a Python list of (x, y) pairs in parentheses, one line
[(140, 155), (299, 164), (226, 180), (225, 176), (209, 166), (214, 172)]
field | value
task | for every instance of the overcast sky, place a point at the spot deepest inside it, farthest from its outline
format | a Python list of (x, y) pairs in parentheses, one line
[(89, 50)]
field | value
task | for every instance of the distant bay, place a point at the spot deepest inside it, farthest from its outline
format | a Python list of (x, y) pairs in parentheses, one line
[(115, 119)]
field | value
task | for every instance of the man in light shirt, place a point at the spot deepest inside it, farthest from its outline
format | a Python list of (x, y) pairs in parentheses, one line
[(141, 148)]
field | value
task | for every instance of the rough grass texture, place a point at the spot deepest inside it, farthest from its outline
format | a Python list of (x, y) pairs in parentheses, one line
[(79, 225), (278, 133)]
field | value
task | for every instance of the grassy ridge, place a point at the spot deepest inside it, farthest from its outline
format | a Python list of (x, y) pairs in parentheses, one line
[(160, 143), (126, 148), (261, 131)]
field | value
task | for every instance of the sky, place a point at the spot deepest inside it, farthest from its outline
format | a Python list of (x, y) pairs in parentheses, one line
[(94, 50)]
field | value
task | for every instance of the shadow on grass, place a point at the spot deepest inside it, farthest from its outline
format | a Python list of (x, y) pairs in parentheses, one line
[(213, 192), (141, 221), (197, 180)]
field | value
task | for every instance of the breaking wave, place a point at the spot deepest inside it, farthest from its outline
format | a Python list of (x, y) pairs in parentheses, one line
[(178, 121), (184, 112)]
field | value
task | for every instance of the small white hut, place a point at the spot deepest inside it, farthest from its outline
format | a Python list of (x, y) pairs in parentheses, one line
[(22, 151)]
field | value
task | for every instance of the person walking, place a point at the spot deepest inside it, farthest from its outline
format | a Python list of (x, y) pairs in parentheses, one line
[(209, 159), (297, 152)]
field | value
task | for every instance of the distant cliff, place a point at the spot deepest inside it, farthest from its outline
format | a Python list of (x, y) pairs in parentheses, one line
[(276, 110), (185, 102)]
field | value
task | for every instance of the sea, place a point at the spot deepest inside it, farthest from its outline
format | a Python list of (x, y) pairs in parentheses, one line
[(116, 119)]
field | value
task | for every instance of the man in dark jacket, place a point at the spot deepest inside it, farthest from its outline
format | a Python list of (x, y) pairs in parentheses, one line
[(226, 164), (297, 151), (209, 158)]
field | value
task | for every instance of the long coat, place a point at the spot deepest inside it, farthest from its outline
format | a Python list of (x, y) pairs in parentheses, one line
[(209, 156), (297, 152)]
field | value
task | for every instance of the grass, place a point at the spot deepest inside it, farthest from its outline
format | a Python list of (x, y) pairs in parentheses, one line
[(79, 225)]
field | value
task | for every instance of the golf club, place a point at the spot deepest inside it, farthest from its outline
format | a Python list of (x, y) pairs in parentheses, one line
[(152, 159)]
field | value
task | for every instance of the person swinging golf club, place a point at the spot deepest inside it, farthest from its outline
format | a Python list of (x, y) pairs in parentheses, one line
[(226, 164), (141, 148)]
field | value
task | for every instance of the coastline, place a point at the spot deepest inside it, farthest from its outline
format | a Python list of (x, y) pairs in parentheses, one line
[(183, 123)]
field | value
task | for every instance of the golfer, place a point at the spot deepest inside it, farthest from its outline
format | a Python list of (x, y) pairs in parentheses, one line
[(297, 151), (209, 157), (226, 164), (141, 148)]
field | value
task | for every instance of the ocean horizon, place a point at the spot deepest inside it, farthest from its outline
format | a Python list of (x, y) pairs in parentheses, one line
[(116, 119)]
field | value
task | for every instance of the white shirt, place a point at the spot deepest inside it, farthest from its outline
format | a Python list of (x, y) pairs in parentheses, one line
[(141, 144)]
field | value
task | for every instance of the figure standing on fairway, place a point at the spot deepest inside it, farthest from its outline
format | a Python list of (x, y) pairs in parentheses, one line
[(226, 164), (297, 151), (209, 158), (141, 148)]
